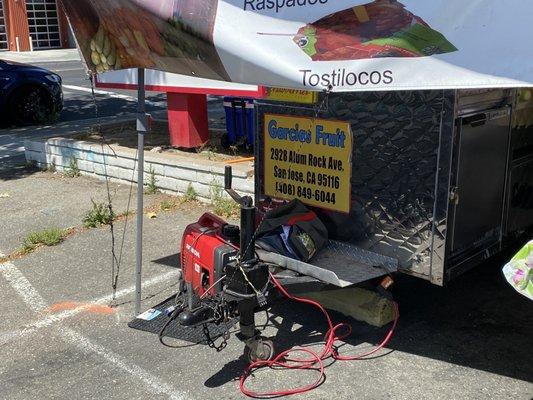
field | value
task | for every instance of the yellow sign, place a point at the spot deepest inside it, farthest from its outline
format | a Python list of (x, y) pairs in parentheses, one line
[(308, 159), (291, 95)]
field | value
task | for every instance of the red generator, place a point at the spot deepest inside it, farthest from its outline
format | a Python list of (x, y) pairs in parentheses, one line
[(207, 247), (218, 283)]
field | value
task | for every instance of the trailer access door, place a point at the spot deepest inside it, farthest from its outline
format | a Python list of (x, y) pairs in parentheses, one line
[(482, 165)]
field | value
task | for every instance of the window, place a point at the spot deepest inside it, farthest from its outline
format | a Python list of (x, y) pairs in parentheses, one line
[(3, 28), (43, 23)]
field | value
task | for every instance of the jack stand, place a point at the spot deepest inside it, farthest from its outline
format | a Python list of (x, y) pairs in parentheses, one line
[(247, 277), (256, 348)]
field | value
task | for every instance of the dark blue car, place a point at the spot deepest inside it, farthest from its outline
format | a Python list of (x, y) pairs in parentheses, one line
[(29, 95)]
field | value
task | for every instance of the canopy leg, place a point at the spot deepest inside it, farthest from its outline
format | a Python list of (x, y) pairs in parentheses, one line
[(142, 128)]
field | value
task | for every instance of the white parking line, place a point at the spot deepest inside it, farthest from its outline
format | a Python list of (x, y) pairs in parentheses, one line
[(37, 303), (111, 94), (52, 319), (23, 287), (67, 69), (154, 383)]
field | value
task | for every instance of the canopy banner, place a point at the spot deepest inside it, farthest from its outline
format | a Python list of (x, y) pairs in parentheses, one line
[(341, 45)]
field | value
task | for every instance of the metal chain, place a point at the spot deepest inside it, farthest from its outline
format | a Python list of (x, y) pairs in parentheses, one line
[(210, 341), (254, 236)]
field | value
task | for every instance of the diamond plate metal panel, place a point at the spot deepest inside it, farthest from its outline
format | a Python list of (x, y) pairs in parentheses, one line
[(339, 264), (401, 162)]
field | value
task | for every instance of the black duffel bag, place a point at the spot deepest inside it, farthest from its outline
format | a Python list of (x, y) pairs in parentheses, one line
[(293, 231)]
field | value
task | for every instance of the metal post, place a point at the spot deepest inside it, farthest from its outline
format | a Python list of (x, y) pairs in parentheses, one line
[(142, 128)]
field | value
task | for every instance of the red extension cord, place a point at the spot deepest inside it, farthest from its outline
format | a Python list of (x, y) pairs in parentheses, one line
[(316, 361)]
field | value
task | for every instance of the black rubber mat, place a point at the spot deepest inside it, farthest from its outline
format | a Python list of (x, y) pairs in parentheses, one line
[(175, 330)]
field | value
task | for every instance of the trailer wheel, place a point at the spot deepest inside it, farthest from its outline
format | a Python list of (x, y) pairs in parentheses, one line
[(264, 351)]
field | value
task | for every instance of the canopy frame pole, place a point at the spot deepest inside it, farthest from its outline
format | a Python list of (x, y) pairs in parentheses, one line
[(142, 128)]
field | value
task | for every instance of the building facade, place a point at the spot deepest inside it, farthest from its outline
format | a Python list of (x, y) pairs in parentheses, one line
[(33, 24)]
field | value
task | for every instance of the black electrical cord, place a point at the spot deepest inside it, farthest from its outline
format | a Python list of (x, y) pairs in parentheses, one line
[(249, 296), (179, 308)]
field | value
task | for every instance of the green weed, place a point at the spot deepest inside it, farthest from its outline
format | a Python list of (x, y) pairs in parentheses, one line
[(151, 186), (167, 205), (190, 194), (222, 205), (72, 171), (48, 237), (98, 215), (51, 168)]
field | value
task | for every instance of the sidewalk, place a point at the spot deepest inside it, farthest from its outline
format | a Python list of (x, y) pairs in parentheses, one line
[(57, 55), (12, 140)]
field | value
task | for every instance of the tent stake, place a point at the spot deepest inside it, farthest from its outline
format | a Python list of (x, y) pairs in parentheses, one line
[(142, 128)]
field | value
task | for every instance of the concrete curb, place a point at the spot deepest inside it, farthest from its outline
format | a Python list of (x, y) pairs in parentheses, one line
[(174, 173), (54, 55)]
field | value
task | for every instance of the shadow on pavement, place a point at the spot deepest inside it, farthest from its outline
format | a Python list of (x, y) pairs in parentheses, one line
[(172, 261), (230, 372), (82, 107), (478, 321), (15, 169)]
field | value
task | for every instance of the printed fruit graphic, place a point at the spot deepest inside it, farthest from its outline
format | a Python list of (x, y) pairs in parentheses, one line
[(125, 38), (104, 52), (383, 28)]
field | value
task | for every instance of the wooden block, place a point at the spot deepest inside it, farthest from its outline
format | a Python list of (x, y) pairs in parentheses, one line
[(360, 304)]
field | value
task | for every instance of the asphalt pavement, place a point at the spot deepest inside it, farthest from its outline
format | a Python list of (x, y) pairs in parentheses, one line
[(63, 336), (77, 88), (81, 110), (59, 339), (79, 104), (80, 107)]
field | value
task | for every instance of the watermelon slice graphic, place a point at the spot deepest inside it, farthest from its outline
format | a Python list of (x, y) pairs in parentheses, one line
[(383, 28)]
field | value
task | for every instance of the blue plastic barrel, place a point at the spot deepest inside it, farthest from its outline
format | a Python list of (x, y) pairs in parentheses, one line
[(240, 120)]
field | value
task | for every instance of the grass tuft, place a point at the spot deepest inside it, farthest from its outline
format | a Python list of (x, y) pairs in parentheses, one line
[(167, 205), (72, 171), (190, 194), (151, 186), (51, 168), (48, 237), (98, 215), (222, 206)]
